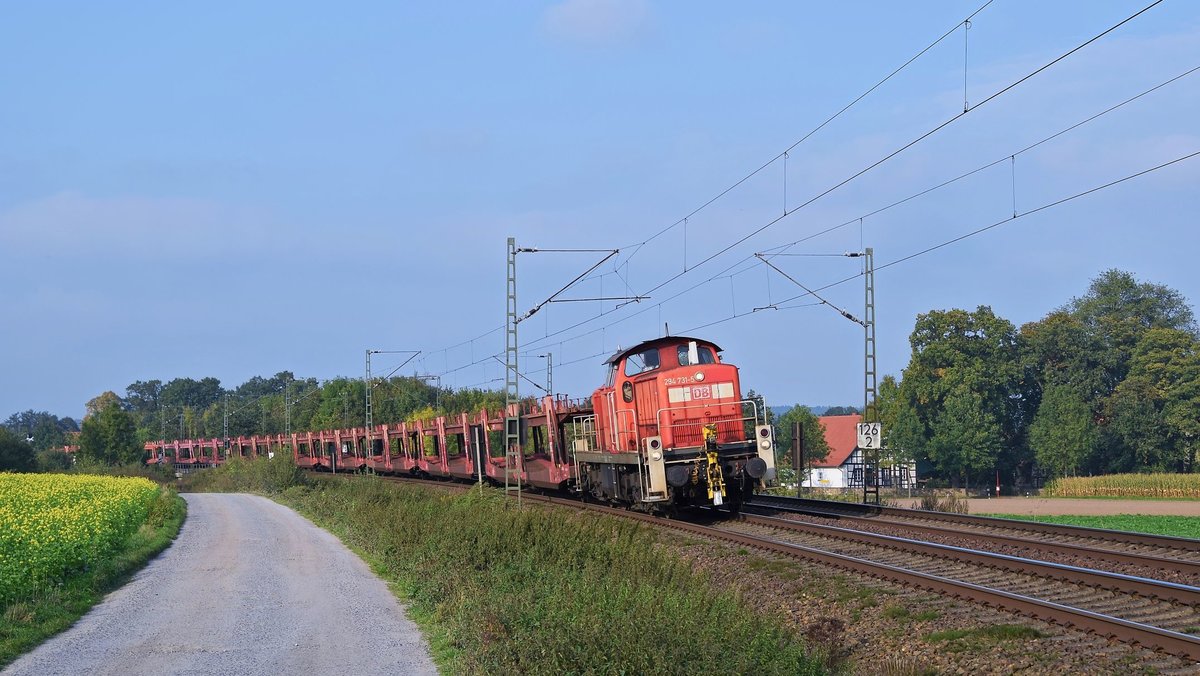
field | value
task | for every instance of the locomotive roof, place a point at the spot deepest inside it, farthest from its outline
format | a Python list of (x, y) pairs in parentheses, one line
[(657, 342)]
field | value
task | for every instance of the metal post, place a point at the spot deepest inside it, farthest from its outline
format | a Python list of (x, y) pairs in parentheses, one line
[(798, 455), (370, 426), (287, 408), (512, 400), (225, 426), (870, 389)]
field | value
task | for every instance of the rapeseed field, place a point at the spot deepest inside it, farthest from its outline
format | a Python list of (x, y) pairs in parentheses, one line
[(52, 525)]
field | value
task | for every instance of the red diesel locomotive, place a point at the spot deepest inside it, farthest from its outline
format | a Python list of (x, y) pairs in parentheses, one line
[(668, 428)]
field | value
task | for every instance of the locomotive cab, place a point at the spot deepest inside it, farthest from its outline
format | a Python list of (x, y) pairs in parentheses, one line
[(671, 428)]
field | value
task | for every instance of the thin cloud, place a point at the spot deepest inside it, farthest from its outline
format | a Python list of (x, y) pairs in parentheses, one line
[(596, 23)]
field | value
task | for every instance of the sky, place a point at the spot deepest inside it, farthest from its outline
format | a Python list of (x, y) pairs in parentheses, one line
[(238, 189)]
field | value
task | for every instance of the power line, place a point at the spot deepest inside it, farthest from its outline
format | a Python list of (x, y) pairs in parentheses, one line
[(980, 168), (915, 141), (894, 153), (637, 247), (1006, 220), (842, 183), (819, 127)]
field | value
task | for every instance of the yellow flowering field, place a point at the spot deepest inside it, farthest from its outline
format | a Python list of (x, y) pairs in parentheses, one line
[(1127, 486), (54, 524)]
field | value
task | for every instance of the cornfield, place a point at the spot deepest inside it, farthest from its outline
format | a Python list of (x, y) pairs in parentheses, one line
[(52, 525), (1127, 486)]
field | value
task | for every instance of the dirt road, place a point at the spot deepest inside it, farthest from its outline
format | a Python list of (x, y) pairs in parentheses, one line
[(249, 587), (1076, 506)]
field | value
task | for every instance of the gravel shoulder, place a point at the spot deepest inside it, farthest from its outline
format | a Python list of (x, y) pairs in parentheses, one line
[(1075, 506), (249, 587)]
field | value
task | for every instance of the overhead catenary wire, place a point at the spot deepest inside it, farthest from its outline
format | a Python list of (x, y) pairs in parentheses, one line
[(915, 141), (1006, 220), (813, 131), (859, 220), (812, 293), (770, 223), (683, 221), (1011, 157), (877, 163)]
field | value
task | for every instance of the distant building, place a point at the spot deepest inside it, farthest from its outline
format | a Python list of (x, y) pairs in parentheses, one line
[(843, 466), (72, 445)]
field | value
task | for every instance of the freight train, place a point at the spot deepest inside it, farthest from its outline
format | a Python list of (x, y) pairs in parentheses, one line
[(669, 428)]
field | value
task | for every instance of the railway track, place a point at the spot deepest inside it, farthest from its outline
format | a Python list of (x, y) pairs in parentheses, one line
[(1155, 614), (1158, 557), (1149, 613)]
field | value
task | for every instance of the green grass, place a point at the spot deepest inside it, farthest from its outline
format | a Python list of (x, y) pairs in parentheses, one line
[(30, 620), (1180, 526), (498, 589), (899, 612)]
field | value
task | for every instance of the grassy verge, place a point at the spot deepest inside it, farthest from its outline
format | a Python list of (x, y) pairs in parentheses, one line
[(26, 622), (535, 590), (1179, 526)]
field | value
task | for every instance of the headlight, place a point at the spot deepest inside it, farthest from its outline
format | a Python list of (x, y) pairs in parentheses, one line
[(656, 456), (765, 445), (699, 376)]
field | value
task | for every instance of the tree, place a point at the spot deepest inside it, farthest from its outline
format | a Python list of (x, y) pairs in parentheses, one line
[(841, 410), (144, 397), (109, 437), (1155, 411), (51, 460), (101, 402), (16, 454), (957, 403), (48, 430), (1062, 434), (1119, 310), (198, 394), (815, 445)]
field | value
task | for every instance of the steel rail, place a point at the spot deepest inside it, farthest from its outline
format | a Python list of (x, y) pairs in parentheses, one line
[(1164, 541), (1130, 584), (1182, 566)]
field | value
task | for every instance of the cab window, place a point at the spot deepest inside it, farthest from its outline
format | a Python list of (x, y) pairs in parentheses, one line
[(704, 356), (640, 362)]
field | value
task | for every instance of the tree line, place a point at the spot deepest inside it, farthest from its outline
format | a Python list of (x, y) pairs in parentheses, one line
[(1107, 383)]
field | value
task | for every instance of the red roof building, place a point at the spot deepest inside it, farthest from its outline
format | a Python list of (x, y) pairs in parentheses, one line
[(843, 466), (841, 433)]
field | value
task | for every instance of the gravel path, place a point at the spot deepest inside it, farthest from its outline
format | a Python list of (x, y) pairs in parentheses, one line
[(249, 587)]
